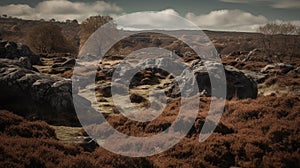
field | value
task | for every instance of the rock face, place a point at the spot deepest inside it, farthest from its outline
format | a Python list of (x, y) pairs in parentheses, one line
[(89, 144), (238, 84), (36, 96), (12, 50), (257, 76), (62, 64), (277, 68)]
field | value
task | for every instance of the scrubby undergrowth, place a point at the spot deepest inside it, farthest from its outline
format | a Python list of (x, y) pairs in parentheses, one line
[(252, 133)]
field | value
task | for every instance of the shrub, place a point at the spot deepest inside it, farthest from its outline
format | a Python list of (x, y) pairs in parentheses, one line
[(90, 25), (37, 129), (48, 38), (7, 119)]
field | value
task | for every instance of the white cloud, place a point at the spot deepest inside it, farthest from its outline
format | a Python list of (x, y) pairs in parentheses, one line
[(233, 20), (16, 10), (236, 1), (167, 19), (283, 4), (60, 10)]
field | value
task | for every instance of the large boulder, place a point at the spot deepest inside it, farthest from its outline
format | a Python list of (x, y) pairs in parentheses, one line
[(12, 50), (238, 84), (35, 95)]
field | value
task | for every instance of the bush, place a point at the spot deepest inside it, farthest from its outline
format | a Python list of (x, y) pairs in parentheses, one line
[(7, 119), (37, 129), (90, 25), (33, 144), (48, 38)]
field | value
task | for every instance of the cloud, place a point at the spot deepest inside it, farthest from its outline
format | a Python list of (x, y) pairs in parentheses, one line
[(286, 4), (167, 19), (282, 4), (233, 20), (236, 1), (61, 10), (16, 10)]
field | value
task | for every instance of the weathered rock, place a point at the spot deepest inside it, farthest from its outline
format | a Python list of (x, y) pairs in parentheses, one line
[(12, 50), (89, 144), (237, 53), (257, 76), (277, 68), (100, 76), (143, 78), (37, 96), (297, 70), (257, 55), (108, 72), (59, 70), (147, 72), (61, 67), (238, 84), (104, 90), (69, 63), (59, 59), (135, 98)]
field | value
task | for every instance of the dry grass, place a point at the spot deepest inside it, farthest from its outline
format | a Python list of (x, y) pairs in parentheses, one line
[(252, 133), (34, 144)]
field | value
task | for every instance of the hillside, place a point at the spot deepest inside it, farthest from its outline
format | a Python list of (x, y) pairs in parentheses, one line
[(260, 126)]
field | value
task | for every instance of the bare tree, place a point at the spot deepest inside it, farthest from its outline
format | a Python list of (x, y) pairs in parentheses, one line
[(279, 28), (277, 41)]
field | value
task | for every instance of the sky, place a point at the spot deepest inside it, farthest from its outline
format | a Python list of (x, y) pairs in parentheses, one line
[(224, 15)]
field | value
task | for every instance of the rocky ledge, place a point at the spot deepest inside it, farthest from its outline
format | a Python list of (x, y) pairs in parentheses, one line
[(36, 96)]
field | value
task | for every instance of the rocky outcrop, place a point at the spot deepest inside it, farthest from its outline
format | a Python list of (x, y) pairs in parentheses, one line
[(238, 84), (36, 96), (61, 65), (277, 68), (257, 76), (104, 90), (12, 50)]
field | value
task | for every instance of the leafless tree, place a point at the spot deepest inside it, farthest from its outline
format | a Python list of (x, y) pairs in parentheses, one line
[(279, 28), (277, 40)]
